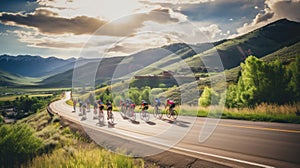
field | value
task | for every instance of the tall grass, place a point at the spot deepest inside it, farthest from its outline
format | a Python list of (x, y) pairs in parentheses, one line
[(89, 156), (63, 148), (17, 144), (289, 113)]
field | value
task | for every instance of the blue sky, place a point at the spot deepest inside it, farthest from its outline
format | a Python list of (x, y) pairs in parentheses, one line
[(93, 28)]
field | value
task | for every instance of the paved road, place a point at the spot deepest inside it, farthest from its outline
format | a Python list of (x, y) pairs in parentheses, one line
[(233, 143)]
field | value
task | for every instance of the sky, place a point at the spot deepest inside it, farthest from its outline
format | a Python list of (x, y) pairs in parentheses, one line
[(97, 28)]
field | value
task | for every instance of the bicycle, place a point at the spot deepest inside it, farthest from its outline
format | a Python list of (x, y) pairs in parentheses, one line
[(95, 113), (123, 110), (110, 117), (157, 112), (101, 117), (144, 114), (172, 113), (130, 112)]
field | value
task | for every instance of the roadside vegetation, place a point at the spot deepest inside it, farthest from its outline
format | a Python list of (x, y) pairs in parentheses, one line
[(265, 91), (40, 140)]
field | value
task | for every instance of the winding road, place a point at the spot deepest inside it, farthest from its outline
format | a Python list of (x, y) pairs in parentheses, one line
[(232, 144)]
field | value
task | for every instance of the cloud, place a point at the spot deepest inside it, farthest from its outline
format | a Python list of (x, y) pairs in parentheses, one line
[(50, 23), (34, 39), (289, 9), (131, 24), (274, 10), (140, 42), (177, 2), (262, 17)]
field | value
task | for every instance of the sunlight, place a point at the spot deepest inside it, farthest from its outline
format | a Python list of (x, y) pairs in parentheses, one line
[(107, 10)]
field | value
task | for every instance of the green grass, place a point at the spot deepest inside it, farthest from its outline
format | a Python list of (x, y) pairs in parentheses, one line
[(84, 156), (13, 97), (64, 148), (8, 79), (263, 112)]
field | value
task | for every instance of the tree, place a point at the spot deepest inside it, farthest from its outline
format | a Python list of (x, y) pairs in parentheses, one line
[(261, 82), (209, 97), (251, 81), (295, 78), (231, 96), (146, 94), (134, 95)]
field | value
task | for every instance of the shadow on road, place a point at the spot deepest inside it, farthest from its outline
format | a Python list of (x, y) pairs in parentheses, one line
[(151, 123), (134, 122), (179, 123), (100, 124)]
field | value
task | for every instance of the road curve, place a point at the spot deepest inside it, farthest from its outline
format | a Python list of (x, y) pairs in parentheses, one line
[(233, 143)]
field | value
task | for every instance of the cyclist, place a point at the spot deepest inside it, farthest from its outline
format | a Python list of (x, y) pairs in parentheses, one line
[(157, 102), (101, 106), (80, 106), (74, 105), (171, 105), (128, 103), (88, 105), (109, 108), (95, 109), (144, 105)]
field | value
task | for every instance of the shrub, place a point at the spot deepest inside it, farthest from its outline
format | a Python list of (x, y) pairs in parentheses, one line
[(18, 144)]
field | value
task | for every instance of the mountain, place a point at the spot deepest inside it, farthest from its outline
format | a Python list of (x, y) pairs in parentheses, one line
[(260, 42), (8, 79), (34, 66), (278, 37)]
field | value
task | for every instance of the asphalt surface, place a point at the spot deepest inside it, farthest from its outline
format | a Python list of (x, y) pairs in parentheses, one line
[(179, 143)]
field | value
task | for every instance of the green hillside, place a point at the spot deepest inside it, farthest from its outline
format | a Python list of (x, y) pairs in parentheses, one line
[(285, 55), (180, 58), (7, 79), (260, 42)]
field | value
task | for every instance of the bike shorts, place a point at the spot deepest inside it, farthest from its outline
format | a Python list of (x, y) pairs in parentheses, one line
[(145, 107), (101, 107), (109, 108), (172, 105)]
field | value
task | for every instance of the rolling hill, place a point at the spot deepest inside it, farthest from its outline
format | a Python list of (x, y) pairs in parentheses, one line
[(12, 80), (34, 66), (260, 42), (280, 37)]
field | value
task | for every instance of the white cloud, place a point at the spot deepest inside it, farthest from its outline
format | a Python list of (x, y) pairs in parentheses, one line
[(274, 10), (177, 1)]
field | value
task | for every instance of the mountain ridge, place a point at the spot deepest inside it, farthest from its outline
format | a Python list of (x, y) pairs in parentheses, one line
[(260, 42)]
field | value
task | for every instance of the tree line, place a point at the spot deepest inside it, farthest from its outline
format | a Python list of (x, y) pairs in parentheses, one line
[(259, 82)]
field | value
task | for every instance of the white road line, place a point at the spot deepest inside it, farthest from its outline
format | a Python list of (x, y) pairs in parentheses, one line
[(224, 157)]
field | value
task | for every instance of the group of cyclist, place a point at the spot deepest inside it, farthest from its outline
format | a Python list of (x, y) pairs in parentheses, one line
[(126, 105), (129, 104), (100, 105)]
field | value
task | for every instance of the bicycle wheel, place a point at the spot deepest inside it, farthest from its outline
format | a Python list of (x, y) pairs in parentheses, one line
[(132, 115), (159, 114), (155, 112), (142, 115), (168, 114), (123, 111), (101, 118), (175, 114), (146, 116), (112, 119)]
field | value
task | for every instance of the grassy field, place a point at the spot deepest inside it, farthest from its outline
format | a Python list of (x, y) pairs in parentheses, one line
[(13, 97), (29, 90), (263, 112)]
